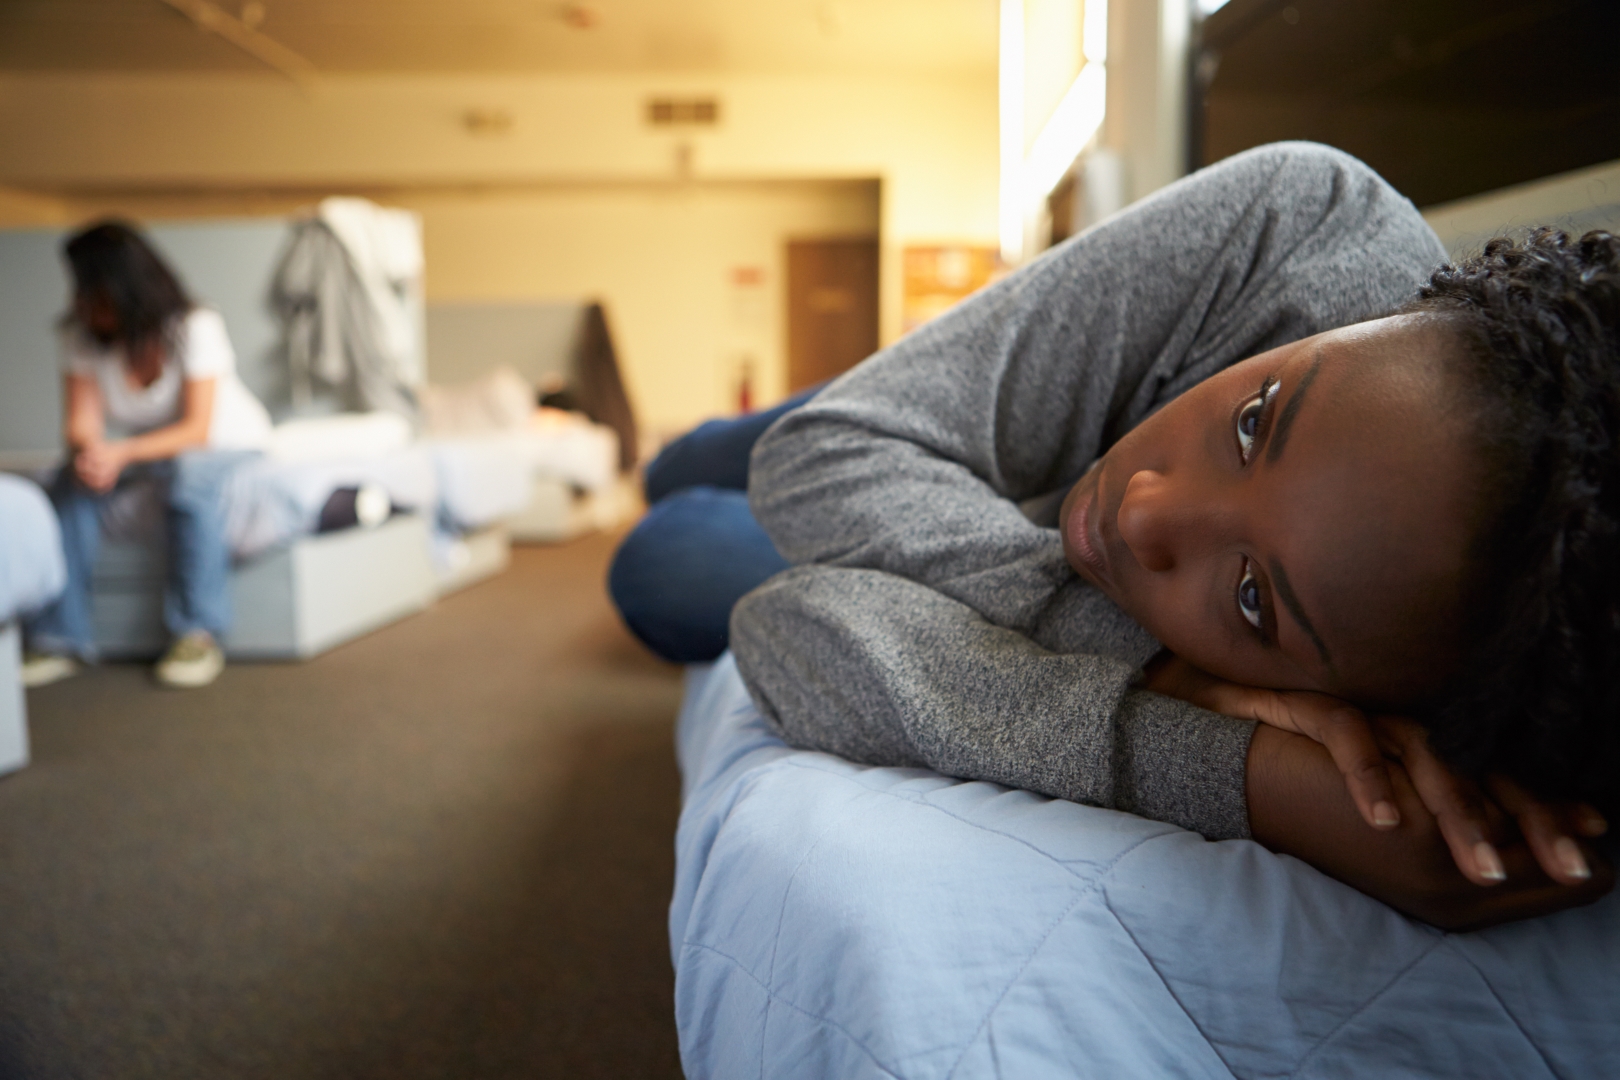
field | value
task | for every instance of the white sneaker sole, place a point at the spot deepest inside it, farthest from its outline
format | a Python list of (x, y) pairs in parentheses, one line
[(189, 676), (44, 670)]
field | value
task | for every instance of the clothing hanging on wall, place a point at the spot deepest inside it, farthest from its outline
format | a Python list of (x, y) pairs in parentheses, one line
[(596, 385), (349, 294)]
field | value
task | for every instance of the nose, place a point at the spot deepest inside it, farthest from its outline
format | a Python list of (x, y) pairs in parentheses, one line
[(1163, 521)]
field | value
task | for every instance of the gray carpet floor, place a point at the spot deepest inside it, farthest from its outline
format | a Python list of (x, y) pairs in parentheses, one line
[(442, 850)]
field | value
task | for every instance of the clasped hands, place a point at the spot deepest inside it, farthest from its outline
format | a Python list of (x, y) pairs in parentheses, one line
[(1480, 822), (99, 464)]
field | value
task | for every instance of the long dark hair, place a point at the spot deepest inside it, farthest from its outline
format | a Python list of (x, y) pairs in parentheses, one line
[(113, 264), (1539, 698)]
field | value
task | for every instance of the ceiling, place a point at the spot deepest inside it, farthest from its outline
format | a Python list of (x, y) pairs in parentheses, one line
[(509, 36)]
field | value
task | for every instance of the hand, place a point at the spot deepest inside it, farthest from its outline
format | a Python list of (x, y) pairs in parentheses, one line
[(1298, 806), (99, 464), (1473, 820), (1339, 726), (1471, 823)]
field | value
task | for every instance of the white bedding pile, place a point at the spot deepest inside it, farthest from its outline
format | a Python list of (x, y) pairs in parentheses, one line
[(460, 484)]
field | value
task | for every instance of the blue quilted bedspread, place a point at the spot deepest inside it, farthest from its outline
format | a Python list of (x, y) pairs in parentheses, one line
[(835, 920)]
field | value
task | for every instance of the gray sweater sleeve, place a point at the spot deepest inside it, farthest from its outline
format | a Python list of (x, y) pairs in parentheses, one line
[(914, 464), (886, 671)]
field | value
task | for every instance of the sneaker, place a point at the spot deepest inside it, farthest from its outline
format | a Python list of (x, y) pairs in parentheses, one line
[(195, 659), (42, 669)]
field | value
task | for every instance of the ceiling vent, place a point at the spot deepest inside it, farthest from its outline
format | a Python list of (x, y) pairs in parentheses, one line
[(683, 112)]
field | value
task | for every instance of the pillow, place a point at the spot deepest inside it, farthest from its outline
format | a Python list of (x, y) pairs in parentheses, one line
[(346, 435), (503, 400)]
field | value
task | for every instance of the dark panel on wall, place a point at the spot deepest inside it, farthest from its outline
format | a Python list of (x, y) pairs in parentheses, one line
[(832, 308), (1445, 98)]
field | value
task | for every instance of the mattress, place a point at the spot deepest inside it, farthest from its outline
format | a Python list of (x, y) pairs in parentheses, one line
[(577, 452), (460, 485), (31, 568), (481, 479), (836, 920)]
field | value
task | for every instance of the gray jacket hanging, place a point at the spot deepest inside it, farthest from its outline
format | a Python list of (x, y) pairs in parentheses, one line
[(351, 325)]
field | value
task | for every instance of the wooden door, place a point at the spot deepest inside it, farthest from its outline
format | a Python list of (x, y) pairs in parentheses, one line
[(832, 307)]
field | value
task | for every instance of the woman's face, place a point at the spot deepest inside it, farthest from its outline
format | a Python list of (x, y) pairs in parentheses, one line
[(1300, 520), (97, 315)]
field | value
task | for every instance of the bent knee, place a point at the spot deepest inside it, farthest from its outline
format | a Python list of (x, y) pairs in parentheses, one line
[(678, 573)]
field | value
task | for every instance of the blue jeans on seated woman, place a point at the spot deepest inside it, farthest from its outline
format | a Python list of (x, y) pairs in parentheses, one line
[(676, 576), (196, 595)]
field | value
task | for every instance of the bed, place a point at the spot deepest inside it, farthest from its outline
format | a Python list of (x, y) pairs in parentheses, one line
[(296, 591), (835, 920), (31, 575)]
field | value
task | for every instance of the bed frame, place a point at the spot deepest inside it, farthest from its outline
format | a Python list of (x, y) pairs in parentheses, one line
[(476, 556), (13, 705), (557, 512), (290, 604)]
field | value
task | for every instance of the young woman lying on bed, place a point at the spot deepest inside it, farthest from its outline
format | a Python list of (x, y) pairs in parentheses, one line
[(1288, 500)]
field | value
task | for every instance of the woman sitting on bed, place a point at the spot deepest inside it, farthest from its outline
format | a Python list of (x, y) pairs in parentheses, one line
[(152, 393), (1291, 519)]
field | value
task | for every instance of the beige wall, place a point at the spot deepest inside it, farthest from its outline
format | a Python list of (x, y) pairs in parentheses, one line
[(662, 257), (578, 198), (930, 139)]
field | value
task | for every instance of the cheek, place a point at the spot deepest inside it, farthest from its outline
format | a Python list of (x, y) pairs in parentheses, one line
[(1178, 615), (1166, 610)]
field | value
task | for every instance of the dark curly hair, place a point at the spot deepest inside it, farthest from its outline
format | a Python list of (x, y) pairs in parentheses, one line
[(1538, 695), (112, 262)]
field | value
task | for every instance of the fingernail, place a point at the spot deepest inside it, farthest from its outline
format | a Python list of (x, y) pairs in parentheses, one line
[(1594, 823), (1385, 814), (1571, 859), (1489, 862)]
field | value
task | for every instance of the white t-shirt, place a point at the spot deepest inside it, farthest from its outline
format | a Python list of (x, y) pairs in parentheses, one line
[(202, 350)]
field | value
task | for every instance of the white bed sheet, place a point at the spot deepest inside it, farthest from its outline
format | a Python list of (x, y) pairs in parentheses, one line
[(458, 484), (484, 479), (269, 503)]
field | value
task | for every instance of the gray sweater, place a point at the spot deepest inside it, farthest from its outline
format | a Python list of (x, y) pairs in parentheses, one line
[(927, 619)]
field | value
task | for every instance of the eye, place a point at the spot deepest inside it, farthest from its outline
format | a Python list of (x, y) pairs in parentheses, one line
[(1249, 417), (1248, 595)]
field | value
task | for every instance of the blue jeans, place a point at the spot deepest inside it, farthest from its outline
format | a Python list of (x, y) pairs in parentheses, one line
[(676, 576), (196, 594)]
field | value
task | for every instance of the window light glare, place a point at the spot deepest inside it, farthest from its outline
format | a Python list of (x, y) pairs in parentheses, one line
[(1094, 29), (1073, 123), (1011, 217)]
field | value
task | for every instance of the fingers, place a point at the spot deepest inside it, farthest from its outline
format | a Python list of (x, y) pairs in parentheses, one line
[(1458, 806), (1588, 822), (1349, 740), (1548, 830)]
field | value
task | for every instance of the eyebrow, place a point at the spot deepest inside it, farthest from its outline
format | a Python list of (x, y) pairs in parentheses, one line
[(1290, 599), (1285, 422)]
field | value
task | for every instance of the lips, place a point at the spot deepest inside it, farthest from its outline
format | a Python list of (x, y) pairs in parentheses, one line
[(1083, 530)]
